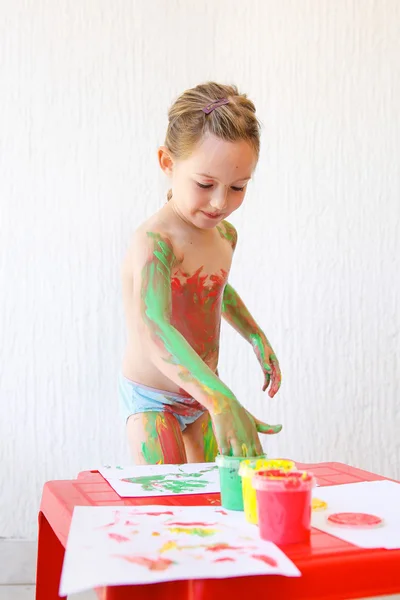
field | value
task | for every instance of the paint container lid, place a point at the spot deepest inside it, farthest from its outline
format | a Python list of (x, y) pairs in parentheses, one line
[(233, 462), (250, 466), (284, 481)]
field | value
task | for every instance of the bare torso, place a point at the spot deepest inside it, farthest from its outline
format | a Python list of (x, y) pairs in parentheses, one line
[(197, 284)]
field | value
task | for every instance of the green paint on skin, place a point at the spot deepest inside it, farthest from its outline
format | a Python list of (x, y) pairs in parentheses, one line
[(157, 302), (229, 233), (209, 442), (150, 453), (230, 419), (236, 313), (259, 347), (151, 449)]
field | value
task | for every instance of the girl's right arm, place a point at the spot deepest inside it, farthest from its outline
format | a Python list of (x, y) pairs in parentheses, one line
[(175, 358)]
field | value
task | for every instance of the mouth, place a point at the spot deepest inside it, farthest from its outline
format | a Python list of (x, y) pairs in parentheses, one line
[(214, 216)]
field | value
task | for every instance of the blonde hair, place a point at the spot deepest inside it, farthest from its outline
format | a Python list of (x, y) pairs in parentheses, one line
[(187, 123)]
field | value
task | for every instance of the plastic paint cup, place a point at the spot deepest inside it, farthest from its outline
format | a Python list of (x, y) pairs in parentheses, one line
[(284, 505), (246, 471), (231, 482)]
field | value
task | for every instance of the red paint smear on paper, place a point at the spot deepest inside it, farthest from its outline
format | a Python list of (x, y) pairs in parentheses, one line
[(155, 514), (130, 523), (193, 524), (118, 538), (222, 512), (117, 517), (158, 564), (221, 547), (354, 519), (226, 559), (265, 559)]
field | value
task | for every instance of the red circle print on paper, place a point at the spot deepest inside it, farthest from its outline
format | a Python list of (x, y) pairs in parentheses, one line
[(354, 520)]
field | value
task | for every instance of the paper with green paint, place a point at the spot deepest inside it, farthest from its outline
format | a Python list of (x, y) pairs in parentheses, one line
[(163, 480)]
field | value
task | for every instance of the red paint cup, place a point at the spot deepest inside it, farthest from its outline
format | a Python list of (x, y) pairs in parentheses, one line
[(284, 505)]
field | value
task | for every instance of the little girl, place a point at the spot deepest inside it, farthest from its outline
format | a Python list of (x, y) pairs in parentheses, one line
[(175, 288)]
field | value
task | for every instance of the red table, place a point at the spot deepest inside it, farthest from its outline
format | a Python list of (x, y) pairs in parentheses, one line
[(331, 568)]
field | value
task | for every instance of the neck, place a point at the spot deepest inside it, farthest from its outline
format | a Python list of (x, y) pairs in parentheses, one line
[(172, 209)]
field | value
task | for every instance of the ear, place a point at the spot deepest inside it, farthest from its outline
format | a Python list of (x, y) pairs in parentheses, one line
[(165, 160)]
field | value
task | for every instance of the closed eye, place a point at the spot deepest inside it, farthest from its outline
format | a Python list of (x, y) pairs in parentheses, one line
[(204, 186), (207, 186)]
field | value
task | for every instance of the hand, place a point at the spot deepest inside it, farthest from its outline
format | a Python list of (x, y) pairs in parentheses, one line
[(269, 364), (236, 430)]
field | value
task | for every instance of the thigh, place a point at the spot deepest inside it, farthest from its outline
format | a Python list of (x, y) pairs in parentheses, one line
[(199, 440), (155, 438)]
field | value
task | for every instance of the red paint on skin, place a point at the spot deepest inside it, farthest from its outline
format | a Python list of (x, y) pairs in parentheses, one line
[(196, 311), (265, 559), (268, 431), (131, 524), (159, 564), (118, 538), (170, 439), (226, 559), (186, 408)]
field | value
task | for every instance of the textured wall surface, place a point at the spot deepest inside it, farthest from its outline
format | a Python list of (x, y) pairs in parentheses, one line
[(85, 90)]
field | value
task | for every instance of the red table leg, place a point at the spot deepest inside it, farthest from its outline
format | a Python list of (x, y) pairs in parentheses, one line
[(49, 562), (173, 590)]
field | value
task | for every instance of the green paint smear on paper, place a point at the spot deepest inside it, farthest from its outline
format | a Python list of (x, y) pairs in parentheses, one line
[(199, 531), (154, 483)]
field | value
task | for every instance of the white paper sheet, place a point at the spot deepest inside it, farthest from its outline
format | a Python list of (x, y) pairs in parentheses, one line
[(111, 545), (380, 498), (163, 480)]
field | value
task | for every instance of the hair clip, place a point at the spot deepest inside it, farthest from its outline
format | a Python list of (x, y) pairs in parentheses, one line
[(214, 104)]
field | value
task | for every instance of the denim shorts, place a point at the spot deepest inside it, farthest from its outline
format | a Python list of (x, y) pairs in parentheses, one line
[(136, 398)]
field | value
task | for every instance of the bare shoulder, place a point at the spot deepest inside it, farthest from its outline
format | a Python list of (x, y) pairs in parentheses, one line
[(150, 240), (227, 231)]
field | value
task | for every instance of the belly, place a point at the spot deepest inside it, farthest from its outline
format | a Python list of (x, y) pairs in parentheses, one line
[(200, 326)]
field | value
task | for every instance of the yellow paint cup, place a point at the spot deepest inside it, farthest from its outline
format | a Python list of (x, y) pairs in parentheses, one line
[(246, 471)]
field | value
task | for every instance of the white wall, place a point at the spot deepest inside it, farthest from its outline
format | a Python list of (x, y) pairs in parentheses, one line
[(85, 90)]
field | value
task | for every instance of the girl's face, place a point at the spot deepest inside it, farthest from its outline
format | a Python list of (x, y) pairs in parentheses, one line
[(211, 184)]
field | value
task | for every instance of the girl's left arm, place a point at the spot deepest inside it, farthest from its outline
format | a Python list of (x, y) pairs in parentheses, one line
[(236, 314)]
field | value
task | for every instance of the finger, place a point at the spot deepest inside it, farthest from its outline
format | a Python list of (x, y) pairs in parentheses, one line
[(225, 450), (268, 429), (258, 448), (276, 376), (238, 449), (267, 381)]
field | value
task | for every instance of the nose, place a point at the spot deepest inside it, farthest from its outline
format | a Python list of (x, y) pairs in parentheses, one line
[(218, 200)]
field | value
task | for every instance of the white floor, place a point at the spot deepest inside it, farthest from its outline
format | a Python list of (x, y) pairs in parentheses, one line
[(27, 592), (17, 573)]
